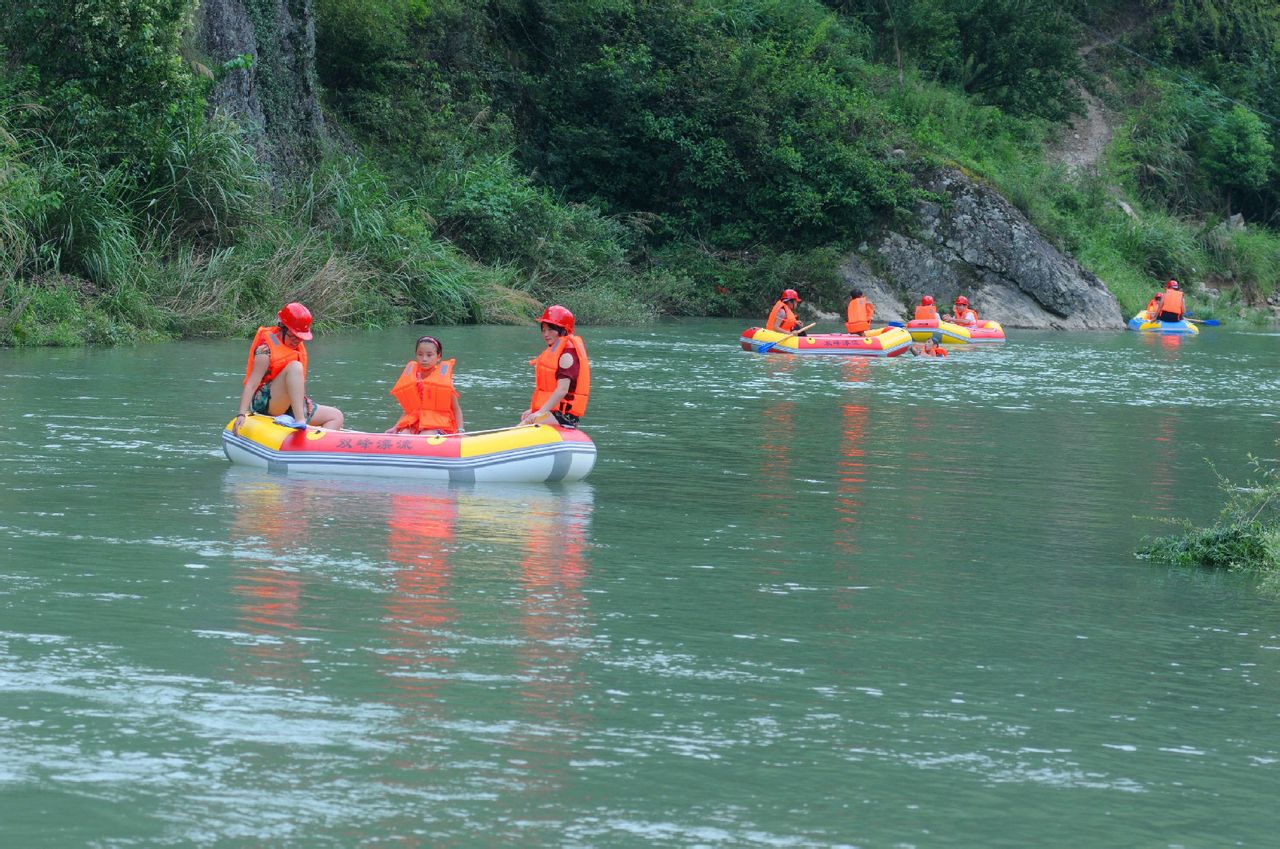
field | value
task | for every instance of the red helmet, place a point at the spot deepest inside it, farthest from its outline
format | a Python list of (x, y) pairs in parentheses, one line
[(297, 319), (926, 301), (557, 316), (962, 301), (790, 295), (1172, 284)]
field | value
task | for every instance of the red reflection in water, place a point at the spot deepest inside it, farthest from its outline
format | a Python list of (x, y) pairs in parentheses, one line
[(777, 430), (553, 626), (420, 534), (1161, 465), (852, 466), (269, 597)]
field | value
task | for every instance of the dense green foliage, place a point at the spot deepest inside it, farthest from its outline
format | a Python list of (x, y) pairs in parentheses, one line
[(1017, 54), (635, 158), (1245, 538)]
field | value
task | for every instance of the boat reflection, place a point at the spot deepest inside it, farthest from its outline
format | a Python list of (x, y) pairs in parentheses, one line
[(852, 471), (422, 576)]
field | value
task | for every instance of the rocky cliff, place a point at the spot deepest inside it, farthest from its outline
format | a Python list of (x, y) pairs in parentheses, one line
[(976, 243), (276, 99)]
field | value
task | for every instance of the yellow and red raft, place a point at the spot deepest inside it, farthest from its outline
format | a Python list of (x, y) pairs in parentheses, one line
[(526, 454), (881, 342)]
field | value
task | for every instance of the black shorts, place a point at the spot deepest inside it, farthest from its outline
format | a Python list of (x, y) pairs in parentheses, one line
[(565, 419), (1168, 316), (261, 402)]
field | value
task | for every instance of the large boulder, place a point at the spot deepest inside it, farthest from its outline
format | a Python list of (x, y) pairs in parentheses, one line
[(976, 243)]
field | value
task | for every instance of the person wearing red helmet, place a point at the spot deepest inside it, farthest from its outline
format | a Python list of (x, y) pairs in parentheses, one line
[(561, 373), (962, 315), (1153, 306), (926, 311), (782, 318), (1172, 306), (275, 376)]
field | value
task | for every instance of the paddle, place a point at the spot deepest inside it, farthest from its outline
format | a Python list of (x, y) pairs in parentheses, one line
[(769, 346), (895, 324), (1207, 322)]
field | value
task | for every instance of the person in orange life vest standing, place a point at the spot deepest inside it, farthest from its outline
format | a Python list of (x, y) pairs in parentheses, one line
[(1171, 305), (275, 376), (926, 311), (1153, 306), (425, 392), (782, 318), (561, 373), (858, 316), (962, 315)]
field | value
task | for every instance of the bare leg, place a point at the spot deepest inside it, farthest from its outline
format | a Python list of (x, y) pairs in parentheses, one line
[(288, 392), (327, 417)]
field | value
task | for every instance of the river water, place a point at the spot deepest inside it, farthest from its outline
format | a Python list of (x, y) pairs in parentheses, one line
[(818, 602)]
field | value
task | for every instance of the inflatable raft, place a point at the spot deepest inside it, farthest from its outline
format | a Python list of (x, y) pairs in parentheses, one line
[(528, 454), (881, 342), (955, 334), (1142, 324)]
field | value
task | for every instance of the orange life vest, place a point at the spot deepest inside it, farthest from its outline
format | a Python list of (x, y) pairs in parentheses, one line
[(859, 315), (1153, 308), (544, 377), (786, 323), (427, 399), (1172, 302), (967, 317), (926, 313), (281, 354)]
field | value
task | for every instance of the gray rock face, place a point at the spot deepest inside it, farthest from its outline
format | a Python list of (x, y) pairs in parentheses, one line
[(978, 244), (276, 100)]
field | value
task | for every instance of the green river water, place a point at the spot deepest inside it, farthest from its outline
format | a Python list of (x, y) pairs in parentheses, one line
[(799, 602)]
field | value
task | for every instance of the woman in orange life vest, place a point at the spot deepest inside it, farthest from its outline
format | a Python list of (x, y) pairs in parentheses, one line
[(858, 317), (963, 316), (926, 311), (561, 373), (1171, 306), (275, 377), (782, 318), (425, 391)]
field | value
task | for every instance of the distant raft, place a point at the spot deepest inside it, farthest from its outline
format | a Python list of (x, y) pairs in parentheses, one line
[(1142, 324), (881, 342), (525, 454), (955, 334)]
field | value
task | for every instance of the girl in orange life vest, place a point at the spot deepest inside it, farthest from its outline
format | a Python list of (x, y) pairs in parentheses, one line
[(859, 314), (275, 375), (926, 311), (963, 315), (1153, 306), (1171, 307), (562, 373), (782, 318), (425, 391)]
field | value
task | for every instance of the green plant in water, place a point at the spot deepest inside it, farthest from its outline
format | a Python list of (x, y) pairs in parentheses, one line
[(1245, 538)]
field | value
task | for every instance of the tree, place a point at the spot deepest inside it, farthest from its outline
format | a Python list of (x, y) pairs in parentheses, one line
[(1237, 152)]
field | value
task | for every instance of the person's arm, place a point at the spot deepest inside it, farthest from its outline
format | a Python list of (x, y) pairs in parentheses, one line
[(261, 362), (457, 414), (561, 390)]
